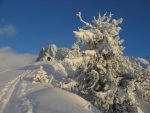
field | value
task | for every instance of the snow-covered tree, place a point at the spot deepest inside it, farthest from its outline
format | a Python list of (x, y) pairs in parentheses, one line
[(102, 35), (73, 59), (104, 72), (101, 74), (41, 76)]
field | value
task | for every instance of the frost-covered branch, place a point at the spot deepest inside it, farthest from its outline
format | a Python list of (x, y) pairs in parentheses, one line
[(86, 23)]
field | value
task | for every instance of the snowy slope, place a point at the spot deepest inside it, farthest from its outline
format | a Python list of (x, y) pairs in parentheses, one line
[(19, 95)]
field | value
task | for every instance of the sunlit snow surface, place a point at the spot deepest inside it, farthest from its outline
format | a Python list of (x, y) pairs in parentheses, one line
[(19, 95)]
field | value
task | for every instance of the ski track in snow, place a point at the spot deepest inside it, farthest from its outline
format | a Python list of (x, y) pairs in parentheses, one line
[(24, 103), (6, 92)]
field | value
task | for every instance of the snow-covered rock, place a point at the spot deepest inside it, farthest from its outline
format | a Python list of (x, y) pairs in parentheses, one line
[(52, 52)]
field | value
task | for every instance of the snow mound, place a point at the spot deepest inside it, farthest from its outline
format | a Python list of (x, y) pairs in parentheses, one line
[(58, 101)]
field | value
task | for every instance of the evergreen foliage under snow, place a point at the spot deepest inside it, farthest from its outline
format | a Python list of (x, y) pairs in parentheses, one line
[(101, 74), (41, 76)]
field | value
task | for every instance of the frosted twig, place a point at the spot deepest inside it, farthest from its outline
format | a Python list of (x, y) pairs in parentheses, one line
[(86, 23)]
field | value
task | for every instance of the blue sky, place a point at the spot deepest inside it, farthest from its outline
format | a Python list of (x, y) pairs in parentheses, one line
[(28, 25)]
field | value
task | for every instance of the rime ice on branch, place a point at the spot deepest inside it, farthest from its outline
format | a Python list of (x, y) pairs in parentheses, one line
[(102, 34)]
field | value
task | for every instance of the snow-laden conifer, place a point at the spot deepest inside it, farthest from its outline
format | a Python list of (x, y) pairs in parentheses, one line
[(104, 76), (41, 76)]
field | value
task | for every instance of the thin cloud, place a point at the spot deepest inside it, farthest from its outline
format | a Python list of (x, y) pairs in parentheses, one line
[(7, 30), (10, 59)]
